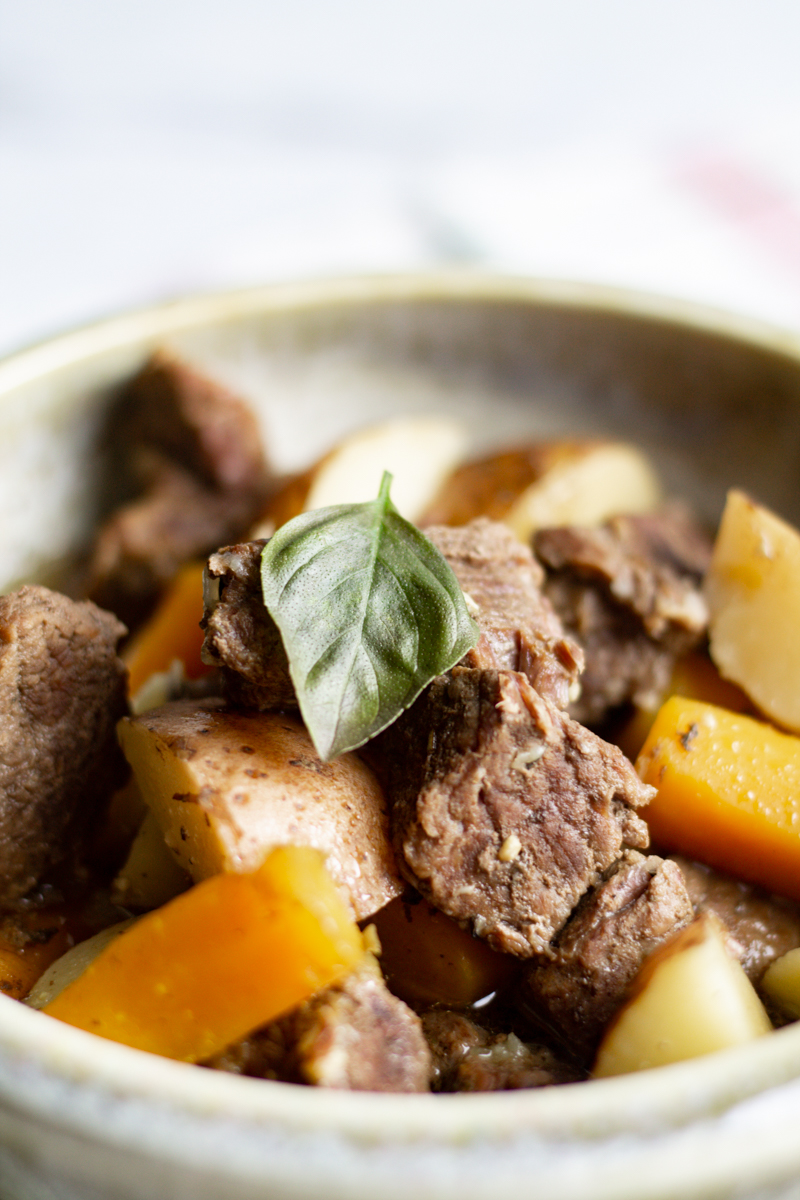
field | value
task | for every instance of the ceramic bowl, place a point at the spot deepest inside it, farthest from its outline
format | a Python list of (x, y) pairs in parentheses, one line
[(716, 400)]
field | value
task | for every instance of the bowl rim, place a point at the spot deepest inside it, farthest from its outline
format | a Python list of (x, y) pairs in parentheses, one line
[(173, 316), (670, 1097)]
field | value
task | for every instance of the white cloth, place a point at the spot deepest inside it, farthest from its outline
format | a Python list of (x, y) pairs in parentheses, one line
[(150, 148)]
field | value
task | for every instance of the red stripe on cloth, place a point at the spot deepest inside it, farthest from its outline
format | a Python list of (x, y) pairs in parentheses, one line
[(758, 205)]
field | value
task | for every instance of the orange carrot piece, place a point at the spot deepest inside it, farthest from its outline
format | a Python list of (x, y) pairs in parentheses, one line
[(428, 959), (173, 631), (728, 792), (216, 962), (41, 939), (693, 675)]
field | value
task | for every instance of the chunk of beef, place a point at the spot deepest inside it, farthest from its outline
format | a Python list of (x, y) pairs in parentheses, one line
[(504, 811), (584, 978), (760, 927), (629, 592), (141, 545), (240, 635), (355, 1036), (62, 691), (196, 423), (191, 476), (470, 1058), (519, 629)]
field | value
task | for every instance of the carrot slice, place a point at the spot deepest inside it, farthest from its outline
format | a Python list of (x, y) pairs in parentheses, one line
[(428, 959), (694, 675), (173, 631), (728, 791), (232, 953), (28, 947)]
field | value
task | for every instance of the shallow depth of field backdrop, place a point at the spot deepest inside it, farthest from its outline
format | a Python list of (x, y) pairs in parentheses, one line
[(150, 148)]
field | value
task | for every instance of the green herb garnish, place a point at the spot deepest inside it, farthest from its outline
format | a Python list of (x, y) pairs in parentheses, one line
[(369, 612)]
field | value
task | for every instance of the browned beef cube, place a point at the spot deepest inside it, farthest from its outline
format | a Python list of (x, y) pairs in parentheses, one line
[(629, 592), (469, 1058), (519, 629), (267, 1053), (504, 811), (197, 423), (355, 1036), (760, 927), (192, 475), (240, 635), (62, 691), (585, 977), (141, 545), (194, 422)]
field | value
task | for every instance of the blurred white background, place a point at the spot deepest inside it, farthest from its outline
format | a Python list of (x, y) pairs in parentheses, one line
[(149, 148)]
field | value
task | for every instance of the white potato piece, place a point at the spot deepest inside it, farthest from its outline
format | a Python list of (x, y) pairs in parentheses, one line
[(545, 484), (419, 452), (690, 998), (781, 983), (598, 482), (72, 964), (150, 875), (159, 687), (753, 594), (227, 786)]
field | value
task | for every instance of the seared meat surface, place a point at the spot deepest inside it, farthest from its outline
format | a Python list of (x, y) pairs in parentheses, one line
[(519, 629), (504, 811), (629, 593), (583, 979), (62, 691), (468, 1057), (355, 1036), (240, 635), (192, 475), (760, 927)]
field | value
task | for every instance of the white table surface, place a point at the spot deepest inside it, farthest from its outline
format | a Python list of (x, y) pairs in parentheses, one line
[(150, 148)]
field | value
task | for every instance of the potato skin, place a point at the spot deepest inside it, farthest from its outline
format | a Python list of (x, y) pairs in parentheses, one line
[(547, 484), (226, 786), (489, 486)]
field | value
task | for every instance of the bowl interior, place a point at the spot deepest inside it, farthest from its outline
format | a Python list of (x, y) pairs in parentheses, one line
[(716, 403), (713, 400)]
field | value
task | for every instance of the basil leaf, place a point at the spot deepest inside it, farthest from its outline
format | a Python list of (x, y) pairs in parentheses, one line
[(369, 612)]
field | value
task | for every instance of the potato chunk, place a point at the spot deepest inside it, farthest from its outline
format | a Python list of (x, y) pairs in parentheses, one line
[(781, 983), (690, 998), (150, 875), (753, 595), (227, 786), (548, 484), (419, 452)]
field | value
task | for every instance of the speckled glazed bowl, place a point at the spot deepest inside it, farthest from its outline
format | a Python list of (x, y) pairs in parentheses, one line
[(717, 401)]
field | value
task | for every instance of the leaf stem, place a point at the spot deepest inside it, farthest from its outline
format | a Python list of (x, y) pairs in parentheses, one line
[(383, 490)]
